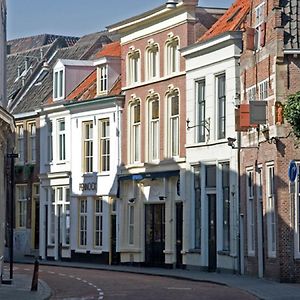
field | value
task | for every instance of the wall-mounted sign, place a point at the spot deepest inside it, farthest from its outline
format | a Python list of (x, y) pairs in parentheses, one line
[(90, 186)]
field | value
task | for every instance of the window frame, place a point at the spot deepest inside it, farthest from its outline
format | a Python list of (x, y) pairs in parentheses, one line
[(173, 126), (172, 55), (221, 106), (225, 173), (250, 212), (263, 88), (133, 67), (135, 133), (59, 84), (104, 145), (61, 142), (82, 220), (152, 61), (98, 214), (131, 218), (102, 86), (200, 110), (197, 207), (87, 146), (271, 211), (153, 130), (21, 206), (20, 143), (259, 20), (31, 141), (297, 215)]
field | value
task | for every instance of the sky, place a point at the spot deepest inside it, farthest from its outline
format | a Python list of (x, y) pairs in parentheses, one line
[(76, 17)]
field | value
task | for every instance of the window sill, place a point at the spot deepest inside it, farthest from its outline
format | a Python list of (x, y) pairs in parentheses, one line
[(63, 162), (81, 251), (102, 174), (224, 252), (96, 251), (50, 246), (194, 251)]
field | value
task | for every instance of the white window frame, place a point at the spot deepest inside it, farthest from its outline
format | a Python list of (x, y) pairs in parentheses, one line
[(251, 93), (221, 104), (133, 67), (172, 55), (250, 212), (225, 171), (21, 206), (61, 140), (131, 224), (58, 84), (173, 126), (153, 130), (271, 211), (87, 146), (152, 61), (197, 206), (263, 88), (135, 133), (82, 222), (98, 222), (200, 110), (259, 19), (104, 145), (102, 79), (31, 129), (20, 143), (50, 141)]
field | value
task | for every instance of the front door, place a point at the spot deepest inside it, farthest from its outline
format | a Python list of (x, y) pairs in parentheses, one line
[(179, 220), (212, 233), (154, 234), (59, 230), (115, 257)]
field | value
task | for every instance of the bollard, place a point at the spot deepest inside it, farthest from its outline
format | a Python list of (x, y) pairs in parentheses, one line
[(35, 277)]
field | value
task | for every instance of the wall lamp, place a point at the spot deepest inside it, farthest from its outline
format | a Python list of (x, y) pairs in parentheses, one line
[(231, 143), (205, 124)]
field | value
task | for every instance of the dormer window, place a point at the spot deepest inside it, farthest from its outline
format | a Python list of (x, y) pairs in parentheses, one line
[(58, 85), (102, 79)]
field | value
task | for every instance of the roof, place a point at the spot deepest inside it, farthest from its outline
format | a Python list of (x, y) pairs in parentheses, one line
[(291, 21), (31, 96), (112, 49), (32, 42), (230, 21)]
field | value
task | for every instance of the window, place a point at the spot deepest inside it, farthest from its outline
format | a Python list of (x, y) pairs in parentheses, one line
[(197, 187), (250, 213), (221, 104), (98, 219), (50, 142), (152, 61), (58, 87), (131, 225), (172, 55), (87, 146), (153, 129), (200, 111), (102, 79), (259, 26), (173, 126), (210, 176), (21, 207), (263, 90), (133, 67), (251, 94), (271, 213), (104, 145), (225, 167), (61, 140), (135, 133), (297, 215), (31, 142), (82, 222), (52, 213), (20, 143)]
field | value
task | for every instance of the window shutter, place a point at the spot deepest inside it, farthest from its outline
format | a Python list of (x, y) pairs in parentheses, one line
[(262, 34), (250, 33)]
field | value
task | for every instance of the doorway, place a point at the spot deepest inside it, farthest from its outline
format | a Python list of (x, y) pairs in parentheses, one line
[(179, 232), (154, 234), (115, 257), (212, 233)]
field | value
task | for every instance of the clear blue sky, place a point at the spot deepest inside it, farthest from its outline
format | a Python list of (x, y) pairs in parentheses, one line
[(76, 17)]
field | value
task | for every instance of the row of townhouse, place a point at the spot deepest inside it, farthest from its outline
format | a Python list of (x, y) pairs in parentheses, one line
[(167, 147)]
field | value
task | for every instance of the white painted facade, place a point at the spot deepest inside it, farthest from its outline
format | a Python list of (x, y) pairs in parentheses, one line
[(204, 63)]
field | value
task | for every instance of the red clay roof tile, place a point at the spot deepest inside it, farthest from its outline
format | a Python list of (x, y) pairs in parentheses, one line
[(230, 21), (112, 49)]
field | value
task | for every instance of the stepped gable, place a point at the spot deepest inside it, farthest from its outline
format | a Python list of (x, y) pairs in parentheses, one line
[(230, 21)]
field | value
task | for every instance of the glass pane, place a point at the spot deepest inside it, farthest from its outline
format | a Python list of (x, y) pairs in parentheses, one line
[(211, 176)]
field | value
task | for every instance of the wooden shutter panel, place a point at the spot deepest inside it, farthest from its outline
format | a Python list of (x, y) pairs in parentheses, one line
[(250, 32), (262, 34)]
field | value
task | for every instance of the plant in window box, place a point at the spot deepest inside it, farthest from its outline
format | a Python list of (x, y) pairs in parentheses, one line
[(291, 112)]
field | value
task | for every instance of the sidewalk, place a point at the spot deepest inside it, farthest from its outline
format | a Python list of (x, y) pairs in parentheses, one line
[(20, 289), (261, 288)]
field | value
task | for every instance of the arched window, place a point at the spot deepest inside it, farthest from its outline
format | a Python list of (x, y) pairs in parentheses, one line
[(133, 67), (153, 128), (135, 131), (172, 55), (152, 61)]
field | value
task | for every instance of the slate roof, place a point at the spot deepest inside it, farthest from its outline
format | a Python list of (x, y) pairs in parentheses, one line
[(85, 48), (230, 21), (31, 42), (291, 23)]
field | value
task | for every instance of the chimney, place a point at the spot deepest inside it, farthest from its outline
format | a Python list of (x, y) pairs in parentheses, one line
[(171, 4), (3, 96)]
